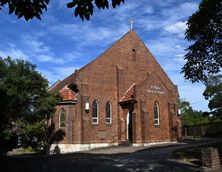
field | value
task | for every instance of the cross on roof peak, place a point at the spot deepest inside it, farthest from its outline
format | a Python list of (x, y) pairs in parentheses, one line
[(131, 23)]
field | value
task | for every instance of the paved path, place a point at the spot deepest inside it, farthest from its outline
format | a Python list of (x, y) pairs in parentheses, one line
[(151, 158), (118, 159)]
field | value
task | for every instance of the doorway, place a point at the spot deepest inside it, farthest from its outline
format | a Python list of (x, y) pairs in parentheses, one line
[(129, 127)]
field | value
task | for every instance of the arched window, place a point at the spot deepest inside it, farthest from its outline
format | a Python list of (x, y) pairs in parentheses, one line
[(156, 113), (108, 113), (62, 118), (95, 112)]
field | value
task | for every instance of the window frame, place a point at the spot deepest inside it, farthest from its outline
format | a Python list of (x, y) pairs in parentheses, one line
[(110, 110), (97, 112), (156, 108), (60, 113)]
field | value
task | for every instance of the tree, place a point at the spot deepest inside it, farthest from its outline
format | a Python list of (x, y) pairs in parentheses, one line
[(190, 117), (30, 9), (213, 93), (204, 56), (184, 105), (24, 103)]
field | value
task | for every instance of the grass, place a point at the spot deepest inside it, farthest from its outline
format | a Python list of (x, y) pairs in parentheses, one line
[(193, 154), (21, 151)]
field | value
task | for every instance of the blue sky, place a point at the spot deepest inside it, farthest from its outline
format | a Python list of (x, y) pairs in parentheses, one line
[(61, 43)]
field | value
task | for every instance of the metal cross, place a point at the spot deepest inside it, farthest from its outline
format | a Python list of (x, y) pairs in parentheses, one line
[(131, 23)]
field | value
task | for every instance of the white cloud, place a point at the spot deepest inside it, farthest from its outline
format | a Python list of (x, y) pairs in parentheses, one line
[(73, 56), (60, 38), (179, 58), (45, 58), (150, 23), (54, 74), (148, 10), (35, 45), (167, 16), (179, 12), (88, 34), (178, 27), (37, 49), (188, 8), (166, 47), (48, 58), (49, 75), (14, 53)]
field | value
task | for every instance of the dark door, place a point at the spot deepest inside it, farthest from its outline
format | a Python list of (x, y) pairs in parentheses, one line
[(130, 128)]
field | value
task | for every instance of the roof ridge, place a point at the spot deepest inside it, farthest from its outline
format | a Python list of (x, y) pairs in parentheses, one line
[(118, 40), (53, 85), (82, 68)]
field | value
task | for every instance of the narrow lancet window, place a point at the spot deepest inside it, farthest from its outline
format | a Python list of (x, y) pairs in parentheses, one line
[(95, 112), (108, 113), (62, 118), (156, 114)]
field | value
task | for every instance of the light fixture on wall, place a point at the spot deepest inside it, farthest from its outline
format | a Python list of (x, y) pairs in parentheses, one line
[(179, 112), (87, 104)]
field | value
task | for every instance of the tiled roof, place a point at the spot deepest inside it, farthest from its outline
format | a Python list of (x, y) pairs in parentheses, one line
[(53, 85), (59, 85), (67, 94), (128, 95)]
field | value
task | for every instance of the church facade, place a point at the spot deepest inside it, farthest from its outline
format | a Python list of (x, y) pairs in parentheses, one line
[(123, 96)]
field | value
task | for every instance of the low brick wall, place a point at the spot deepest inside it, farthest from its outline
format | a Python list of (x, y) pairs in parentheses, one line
[(210, 158)]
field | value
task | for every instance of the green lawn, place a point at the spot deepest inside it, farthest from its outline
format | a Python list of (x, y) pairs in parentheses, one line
[(193, 154)]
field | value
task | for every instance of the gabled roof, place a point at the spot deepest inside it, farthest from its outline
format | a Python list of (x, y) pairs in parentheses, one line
[(130, 33), (60, 84), (128, 95), (67, 94), (130, 36)]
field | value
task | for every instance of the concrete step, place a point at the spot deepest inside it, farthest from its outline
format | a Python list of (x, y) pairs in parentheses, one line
[(125, 143)]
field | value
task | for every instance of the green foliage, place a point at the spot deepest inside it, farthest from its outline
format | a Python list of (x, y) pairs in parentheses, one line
[(190, 117), (31, 134), (30, 9), (184, 105), (204, 56), (24, 102), (84, 8), (213, 93), (27, 9)]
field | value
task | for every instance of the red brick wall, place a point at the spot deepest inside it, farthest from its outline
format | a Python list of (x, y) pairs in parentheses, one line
[(106, 79)]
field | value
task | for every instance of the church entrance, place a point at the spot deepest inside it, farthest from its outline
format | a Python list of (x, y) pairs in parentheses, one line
[(129, 127)]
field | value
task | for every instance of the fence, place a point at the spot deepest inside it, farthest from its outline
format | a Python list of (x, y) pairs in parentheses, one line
[(204, 130)]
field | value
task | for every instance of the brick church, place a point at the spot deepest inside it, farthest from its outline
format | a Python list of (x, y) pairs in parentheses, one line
[(123, 96)]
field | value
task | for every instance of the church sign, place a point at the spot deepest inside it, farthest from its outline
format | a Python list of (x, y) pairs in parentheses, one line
[(155, 89)]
